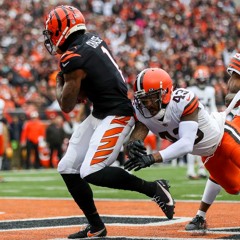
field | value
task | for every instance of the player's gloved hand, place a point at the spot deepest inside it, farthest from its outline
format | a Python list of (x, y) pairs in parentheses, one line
[(139, 162), (136, 149), (60, 78)]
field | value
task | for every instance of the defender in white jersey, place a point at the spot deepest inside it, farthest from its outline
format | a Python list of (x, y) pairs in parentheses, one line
[(181, 104), (179, 117), (206, 95)]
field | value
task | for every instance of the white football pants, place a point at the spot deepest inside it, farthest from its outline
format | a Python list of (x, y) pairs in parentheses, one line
[(95, 144)]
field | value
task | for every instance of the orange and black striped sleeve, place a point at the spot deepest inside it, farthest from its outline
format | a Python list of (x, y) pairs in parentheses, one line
[(191, 106)]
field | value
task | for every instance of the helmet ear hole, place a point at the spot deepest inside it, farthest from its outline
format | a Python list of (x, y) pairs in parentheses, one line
[(57, 33)]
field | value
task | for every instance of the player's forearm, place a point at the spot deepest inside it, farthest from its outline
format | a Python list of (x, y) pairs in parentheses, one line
[(139, 132), (59, 87), (187, 135)]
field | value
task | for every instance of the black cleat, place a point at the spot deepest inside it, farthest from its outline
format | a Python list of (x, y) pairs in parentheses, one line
[(88, 232), (164, 199), (197, 223)]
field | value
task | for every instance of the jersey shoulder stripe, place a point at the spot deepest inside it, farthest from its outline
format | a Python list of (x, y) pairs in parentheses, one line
[(191, 106), (69, 59), (67, 55)]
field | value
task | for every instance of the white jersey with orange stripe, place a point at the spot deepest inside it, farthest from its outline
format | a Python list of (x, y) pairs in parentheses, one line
[(182, 103)]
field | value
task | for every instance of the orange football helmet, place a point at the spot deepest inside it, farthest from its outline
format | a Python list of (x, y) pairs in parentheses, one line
[(153, 83), (201, 74), (60, 23)]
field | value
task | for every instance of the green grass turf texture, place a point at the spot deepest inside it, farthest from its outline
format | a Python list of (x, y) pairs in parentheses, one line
[(48, 183)]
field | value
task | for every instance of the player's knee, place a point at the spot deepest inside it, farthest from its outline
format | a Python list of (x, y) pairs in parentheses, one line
[(65, 166), (84, 172)]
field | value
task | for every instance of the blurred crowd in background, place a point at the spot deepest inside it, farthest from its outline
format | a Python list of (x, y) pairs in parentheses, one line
[(176, 35)]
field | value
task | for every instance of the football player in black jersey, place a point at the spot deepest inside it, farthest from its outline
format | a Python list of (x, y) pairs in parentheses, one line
[(88, 70)]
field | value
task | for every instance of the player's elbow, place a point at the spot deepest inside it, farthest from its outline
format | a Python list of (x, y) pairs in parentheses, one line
[(67, 106), (66, 109)]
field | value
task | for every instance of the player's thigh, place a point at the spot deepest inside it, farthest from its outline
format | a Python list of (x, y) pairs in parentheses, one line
[(78, 147), (228, 177), (223, 170), (106, 143)]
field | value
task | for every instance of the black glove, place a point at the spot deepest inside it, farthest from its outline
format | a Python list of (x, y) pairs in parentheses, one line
[(136, 149), (60, 78), (139, 162)]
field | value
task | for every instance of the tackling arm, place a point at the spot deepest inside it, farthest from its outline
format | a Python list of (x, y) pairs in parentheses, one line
[(139, 132), (135, 146), (187, 133)]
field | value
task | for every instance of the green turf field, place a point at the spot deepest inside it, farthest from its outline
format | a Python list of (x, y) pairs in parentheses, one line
[(48, 183)]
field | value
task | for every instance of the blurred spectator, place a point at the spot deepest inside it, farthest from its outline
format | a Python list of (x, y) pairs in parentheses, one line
[(15, 129), (54, 138), (4, 140), (4, 147), (33, 130)]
